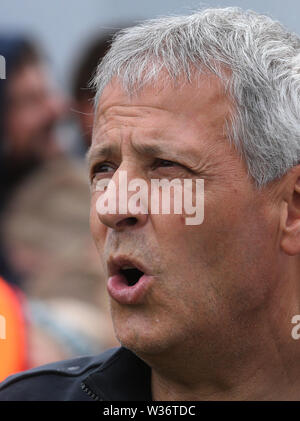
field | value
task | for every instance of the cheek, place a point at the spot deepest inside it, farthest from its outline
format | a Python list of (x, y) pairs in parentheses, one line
[(22, 126), (15, 125), (181, 247)]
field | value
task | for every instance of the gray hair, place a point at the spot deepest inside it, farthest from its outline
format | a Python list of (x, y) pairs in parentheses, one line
[(264, 62)]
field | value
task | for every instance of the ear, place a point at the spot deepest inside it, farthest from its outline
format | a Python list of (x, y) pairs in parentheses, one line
[(290, 215)]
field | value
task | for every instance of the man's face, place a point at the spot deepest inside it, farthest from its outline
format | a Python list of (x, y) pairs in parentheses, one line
[(32, 111), (206, 280)]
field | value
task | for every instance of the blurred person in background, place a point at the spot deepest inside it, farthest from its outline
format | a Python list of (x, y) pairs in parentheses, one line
[(49, 245), (44, 226), (47, 234), (30, 108)]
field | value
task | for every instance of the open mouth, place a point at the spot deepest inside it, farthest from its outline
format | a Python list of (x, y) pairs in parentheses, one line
[(132, 275), (129, 280)]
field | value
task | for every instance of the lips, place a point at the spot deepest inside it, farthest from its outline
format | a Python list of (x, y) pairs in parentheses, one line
[(129, 280)]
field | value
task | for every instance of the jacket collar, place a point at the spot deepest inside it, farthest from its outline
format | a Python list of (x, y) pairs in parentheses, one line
[(122, 377)]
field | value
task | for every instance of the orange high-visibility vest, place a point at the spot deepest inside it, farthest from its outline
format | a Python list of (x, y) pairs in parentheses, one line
[(13, 349)]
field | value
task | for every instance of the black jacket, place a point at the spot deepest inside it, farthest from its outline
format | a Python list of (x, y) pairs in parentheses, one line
[(116, 375)]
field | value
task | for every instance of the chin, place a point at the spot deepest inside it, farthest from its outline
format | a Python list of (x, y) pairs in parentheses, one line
[(142, 335), (145, 349)]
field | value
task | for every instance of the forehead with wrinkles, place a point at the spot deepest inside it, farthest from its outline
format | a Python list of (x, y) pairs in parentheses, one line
[(205, 101)]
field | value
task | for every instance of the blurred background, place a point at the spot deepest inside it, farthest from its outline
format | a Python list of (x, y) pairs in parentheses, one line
[(52, 288)]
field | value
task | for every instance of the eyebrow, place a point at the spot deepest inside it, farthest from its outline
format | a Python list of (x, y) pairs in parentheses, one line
[(110, 150), (100, 151)]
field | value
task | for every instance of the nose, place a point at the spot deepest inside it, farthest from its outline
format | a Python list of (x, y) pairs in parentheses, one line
[(122, 216)]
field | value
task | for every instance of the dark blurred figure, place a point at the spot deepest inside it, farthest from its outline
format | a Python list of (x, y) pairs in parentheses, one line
[(29, 111), (83, 94)]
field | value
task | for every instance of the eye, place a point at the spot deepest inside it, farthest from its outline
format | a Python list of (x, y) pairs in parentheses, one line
[(104, 168), (163, 163)]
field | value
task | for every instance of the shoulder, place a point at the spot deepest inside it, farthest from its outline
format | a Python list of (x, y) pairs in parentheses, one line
[(55, 381)]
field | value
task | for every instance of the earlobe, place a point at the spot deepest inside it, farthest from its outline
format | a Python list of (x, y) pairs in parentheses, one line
[(290, 222)]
